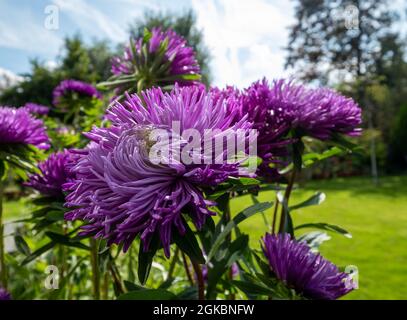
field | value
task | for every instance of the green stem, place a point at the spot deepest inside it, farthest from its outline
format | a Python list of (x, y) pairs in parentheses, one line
[(200, 279), (227, 214), (273, 228), (287, 194), (95, 268), (3, 271), (116, 276), (186, 267), (173, 263)]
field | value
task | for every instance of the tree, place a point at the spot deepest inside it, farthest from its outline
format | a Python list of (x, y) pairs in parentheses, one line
[(342, 39), (184, 25), (89, 63)]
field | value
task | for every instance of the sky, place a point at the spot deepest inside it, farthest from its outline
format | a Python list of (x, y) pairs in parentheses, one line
[(245, 38)]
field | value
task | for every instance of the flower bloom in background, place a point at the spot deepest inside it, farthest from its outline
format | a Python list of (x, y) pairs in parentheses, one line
[(308, 273), (18, 126), (69, 87), (160, 58), (318, 113), (284, 106), (122, 193), (4, 295), (54, 173), (37, 109)]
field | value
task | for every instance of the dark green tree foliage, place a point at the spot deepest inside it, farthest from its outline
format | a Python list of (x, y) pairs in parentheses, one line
[(399, 138), (89, 63), (339, 35), (184, 25)]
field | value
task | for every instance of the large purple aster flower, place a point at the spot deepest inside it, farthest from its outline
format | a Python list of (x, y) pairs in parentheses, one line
[(4, 294), (119, 188), (18, 126), (309, 274), (159, 58), (74, 86), (54, 173), (37, 108)]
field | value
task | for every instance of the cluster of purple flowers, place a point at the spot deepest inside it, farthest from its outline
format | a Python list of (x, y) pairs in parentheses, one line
[(55, 172), (307, 273), (18, 126), (284, 106), (74, 86), (122, 193)]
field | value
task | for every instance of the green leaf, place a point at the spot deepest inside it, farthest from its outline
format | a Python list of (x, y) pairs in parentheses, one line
[(3, 170), (252, 288), (189, 245), (21, 245), (246, 213), (130, 286), (325, 226), (310, 158), (314, 200), (38, 252), (65, 240), (314, 239), (234, 251), (148, 294), (145, 259), (55, 215)]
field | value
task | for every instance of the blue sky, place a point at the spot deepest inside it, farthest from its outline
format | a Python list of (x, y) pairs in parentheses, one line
[(246, 38)]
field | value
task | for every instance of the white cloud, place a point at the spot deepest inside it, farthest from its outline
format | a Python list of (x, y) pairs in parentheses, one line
[(246, 38), (8, 79), (20, 29), (90, 19)]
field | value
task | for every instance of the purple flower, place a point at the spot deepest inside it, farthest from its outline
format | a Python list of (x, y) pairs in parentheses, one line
[(4, 295), (309, 274), (253, 103), (275, 110), (18, 126), (36, 108), (159, 58), (122, 192), (318, 113), (74, 86), (54, 173)]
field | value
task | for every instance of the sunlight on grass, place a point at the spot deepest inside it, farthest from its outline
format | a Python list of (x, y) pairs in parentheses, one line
[(377, 219)]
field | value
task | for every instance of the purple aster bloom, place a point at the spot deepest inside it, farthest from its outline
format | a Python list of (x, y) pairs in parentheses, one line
[(318, 113), (253, 103), (54, 173), (122, 193), (74, 86), (308, 273), (18, 126), (178, 60), (4, 295), (36, 108), (274, 110)]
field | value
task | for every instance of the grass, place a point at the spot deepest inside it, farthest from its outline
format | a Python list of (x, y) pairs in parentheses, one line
[(377, 219)]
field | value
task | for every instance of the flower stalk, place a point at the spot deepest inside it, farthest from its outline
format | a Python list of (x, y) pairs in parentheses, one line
[(3, 271)]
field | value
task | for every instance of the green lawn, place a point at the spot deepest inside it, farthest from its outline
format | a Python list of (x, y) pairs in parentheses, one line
[(377, 219)]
